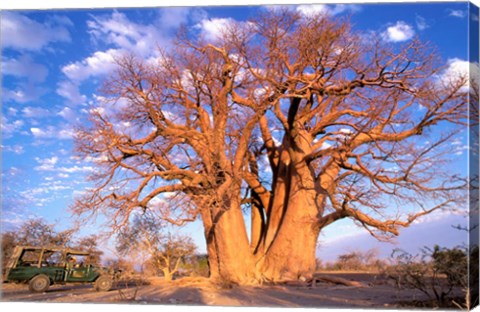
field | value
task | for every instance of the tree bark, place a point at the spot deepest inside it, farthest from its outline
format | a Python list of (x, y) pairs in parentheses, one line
[(229, 254), (290, 250), (291, 254)]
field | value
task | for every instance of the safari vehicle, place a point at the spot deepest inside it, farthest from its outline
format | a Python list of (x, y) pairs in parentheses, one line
[(41, 267)]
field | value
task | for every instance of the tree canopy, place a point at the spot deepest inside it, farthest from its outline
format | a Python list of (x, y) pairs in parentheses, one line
[(301, 121)]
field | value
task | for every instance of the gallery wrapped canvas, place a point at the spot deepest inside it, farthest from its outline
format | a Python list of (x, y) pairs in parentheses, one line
[(267, 155)]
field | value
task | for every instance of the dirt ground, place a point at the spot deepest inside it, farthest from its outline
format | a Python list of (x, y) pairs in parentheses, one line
[(375, 293)]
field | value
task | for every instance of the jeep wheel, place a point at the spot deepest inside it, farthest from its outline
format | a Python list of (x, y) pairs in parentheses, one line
[(103, 283), (39, 283)]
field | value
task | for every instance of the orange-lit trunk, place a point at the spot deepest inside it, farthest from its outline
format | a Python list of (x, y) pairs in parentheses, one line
[(229, 254)]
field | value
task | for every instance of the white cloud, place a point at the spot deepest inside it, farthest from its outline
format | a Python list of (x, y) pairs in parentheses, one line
[(457, 13), (51, 132), (24, 92), (8, 128), (213, 28), (35, 112), (421, 22), (310, 10), (71, 92), (399, 32), (49, 164), (24, 67), (118, 30), (46, 164), (100, 63), (174, 17), (68, 114), (456, 69), (115, 30), (20, 32), (16, 149), (75, 169)]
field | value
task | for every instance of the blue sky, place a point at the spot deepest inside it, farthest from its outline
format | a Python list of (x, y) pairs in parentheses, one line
[(53, 63)]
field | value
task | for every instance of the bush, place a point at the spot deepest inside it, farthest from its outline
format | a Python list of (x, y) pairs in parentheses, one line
[(435, 272), (358, 261)]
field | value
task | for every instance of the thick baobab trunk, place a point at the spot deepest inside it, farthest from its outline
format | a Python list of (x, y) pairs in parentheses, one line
[(229, 254), (291, 254), (298, 203)]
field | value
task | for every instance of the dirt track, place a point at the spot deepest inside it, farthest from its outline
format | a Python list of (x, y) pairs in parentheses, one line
[(199, 292)]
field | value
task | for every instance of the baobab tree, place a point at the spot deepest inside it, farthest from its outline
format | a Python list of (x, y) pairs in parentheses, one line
[(300, 121)]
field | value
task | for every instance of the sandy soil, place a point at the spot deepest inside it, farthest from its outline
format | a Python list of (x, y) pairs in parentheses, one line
[(199, 291)]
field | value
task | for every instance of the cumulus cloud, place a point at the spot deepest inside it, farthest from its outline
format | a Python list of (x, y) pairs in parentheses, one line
[(68, 114), (10, 127), (52, 132), (35, 112), (46, 164), (16, 149), (71, 92), (174, 17), (24, 67), (399, 32), (123, 36), (458, 69), (312, 9), (20, 32), (24, 92), (100, 63), (213, 28), (315, 9), (116, 29), (50, 164)]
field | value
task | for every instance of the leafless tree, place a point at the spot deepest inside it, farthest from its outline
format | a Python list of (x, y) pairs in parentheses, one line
[(301, 121)]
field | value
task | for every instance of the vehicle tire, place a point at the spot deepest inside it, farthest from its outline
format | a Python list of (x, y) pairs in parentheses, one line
[(39, 283), (103, 283)]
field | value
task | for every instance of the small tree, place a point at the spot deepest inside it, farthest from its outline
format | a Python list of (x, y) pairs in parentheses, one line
[(90, 244), (172, 253), (165, 252), (358, 260)]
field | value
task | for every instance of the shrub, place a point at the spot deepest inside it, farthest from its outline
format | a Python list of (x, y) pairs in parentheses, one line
[(435, 272)]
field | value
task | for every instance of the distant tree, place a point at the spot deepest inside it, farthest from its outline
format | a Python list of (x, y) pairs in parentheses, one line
[(90, 244), (165, 251), (299, 120), (37, 232), (350, 261), (360, 260)]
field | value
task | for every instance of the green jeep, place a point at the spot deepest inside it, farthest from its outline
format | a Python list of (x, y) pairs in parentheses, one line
[(41, 267)]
